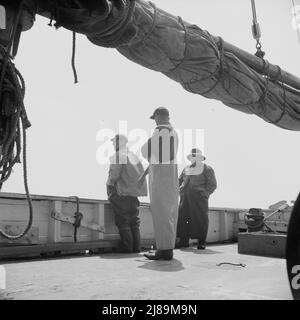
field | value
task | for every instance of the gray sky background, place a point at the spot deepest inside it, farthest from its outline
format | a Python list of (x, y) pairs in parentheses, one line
[(256, 163)]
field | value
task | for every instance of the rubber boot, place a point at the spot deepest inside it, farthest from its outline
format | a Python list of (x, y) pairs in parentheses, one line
[(136, 239), (201, 244), (182, 243), (160, 255), (126, 245)]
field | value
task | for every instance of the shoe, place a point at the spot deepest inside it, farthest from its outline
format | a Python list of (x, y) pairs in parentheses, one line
[(160, 255), (201, 247)]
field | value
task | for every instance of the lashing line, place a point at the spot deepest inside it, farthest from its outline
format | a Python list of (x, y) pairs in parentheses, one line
[(12, 117), (78, 218)]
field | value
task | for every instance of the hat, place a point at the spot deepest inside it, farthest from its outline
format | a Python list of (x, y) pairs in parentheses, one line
[(160, 111), (195, 152), (121, 138)]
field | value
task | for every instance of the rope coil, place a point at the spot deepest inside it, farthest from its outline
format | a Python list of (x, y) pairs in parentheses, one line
[(13, 121), (13, 125)]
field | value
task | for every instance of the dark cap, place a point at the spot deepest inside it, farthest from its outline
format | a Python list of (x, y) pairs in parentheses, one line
[(121, 138), (160, 111)]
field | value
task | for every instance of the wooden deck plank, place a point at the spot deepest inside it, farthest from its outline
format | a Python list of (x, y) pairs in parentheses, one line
[(35, 250)]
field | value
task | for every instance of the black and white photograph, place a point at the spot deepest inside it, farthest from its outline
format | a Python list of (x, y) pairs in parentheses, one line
[(149, 153)]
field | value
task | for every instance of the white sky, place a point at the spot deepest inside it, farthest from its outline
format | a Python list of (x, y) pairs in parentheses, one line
[(256, 163)]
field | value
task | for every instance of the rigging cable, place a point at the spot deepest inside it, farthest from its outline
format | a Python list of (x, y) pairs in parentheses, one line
[(256, 32), (295, 17)]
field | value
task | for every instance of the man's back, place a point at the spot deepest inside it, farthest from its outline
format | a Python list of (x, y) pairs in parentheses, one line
[(125, 170)]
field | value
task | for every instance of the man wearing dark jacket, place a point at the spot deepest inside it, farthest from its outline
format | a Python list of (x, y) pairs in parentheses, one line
[(197, 182)]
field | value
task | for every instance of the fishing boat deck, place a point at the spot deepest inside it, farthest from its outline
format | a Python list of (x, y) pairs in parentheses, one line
[(193, 274)]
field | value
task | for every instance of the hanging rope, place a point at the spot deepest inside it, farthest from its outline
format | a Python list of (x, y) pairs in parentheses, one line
[(256, 32), (73, 58), (13, 116), (53, 5), (13, 122)]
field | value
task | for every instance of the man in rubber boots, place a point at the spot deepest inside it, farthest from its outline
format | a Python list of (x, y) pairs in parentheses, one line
[(123, 192)]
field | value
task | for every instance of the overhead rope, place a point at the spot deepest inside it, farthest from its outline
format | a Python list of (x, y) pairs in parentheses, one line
[(73, 58), (13, 122), (256, 32), (53, 14)]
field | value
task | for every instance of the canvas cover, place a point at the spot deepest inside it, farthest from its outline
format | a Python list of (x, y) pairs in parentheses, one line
[(183, 52)]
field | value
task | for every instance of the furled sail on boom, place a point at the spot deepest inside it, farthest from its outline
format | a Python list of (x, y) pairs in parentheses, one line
[(200, 62)]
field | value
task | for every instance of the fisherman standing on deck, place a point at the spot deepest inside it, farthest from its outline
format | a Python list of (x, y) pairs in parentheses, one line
[(197, 182), (123, 192), (160, 150)]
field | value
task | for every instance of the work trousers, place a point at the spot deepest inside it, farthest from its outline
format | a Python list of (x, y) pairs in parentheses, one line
[(126, 211)]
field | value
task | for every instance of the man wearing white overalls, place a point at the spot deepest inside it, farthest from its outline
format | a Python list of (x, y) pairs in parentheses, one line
[(161, 150)]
